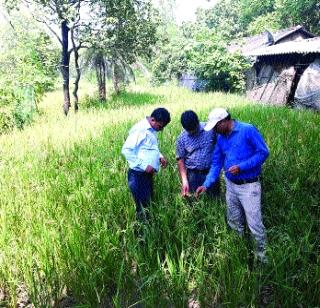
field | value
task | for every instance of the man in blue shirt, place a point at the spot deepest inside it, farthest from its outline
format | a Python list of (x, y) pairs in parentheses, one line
[(142, 153), (241, 152), (194, 148)]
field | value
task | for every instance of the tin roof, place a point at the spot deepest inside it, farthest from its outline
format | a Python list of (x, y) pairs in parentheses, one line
[(306, 46), (247, 44)]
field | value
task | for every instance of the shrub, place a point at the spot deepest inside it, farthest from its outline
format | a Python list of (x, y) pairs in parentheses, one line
[(7, 121)]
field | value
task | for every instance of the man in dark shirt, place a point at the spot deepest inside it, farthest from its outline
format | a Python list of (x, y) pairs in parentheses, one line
[(241, 151), (194, 148)]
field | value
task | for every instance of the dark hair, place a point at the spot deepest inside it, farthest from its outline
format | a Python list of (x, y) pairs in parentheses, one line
[(189, 120), (228, 117), (161, 115)]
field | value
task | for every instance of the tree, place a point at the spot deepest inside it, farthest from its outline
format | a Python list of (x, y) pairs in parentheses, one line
[(223, 18), (126, 30), (27, 69), (100, 66), (303, 12), (250, 10), (64, 14), (269, 21), (210, 61)]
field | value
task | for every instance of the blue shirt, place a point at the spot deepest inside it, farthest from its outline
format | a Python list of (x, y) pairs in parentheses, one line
[(141, 147), (243, 147), (196, 149)]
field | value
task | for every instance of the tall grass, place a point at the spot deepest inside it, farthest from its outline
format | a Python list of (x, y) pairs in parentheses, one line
[(67, 220)]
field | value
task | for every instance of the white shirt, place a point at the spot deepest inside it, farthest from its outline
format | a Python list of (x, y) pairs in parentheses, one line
[(141, 147)]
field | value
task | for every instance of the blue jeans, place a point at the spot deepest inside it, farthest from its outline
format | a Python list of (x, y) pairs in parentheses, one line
[(141, 187), (196, 178)]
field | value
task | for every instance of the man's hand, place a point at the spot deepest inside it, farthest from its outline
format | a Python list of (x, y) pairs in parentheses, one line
[(163, 162), (185, 189), (200, 190), (234, 170), (150, 169)]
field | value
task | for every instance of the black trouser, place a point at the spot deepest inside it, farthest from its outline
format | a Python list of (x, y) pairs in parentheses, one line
[(196, 178), (141, 187)]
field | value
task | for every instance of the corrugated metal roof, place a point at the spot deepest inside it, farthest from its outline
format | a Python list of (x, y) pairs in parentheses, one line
[(301, 47), (281, 34), (248, 44)]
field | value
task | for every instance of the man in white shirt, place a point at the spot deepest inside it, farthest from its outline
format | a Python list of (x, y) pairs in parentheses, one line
[(142, 153)]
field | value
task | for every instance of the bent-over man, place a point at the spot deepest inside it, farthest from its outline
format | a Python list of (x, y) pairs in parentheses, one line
[(142, 153), (241, 151), (194, 148)]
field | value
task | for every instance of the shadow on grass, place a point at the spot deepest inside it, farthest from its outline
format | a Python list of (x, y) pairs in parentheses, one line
[(122, 100)]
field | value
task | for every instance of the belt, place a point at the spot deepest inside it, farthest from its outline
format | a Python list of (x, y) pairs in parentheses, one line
[(139, 172), (245, 181), (199, 171)]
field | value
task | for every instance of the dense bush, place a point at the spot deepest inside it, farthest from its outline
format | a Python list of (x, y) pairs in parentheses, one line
[(17, 109), (27, 70), (210, 61), (7, 121), (202, 53), (170, 57)]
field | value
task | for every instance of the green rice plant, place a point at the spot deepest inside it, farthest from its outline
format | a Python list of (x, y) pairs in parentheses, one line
[(68, 227)]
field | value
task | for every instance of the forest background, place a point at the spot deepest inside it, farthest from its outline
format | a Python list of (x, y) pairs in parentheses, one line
[(110, 39)]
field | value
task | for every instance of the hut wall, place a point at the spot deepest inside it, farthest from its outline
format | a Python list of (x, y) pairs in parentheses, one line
[(274, 84), (277, 77)]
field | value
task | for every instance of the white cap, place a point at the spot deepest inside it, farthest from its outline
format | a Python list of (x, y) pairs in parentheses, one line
[(216, 115)]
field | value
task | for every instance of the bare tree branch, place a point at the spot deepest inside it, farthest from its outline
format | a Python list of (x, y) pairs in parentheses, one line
[(29, 4), (49, 27)]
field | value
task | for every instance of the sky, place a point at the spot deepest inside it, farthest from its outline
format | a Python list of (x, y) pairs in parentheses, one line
[(185, 10), (1, 14)]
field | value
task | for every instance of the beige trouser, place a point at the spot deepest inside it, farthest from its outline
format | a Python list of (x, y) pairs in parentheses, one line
[(244, 205)]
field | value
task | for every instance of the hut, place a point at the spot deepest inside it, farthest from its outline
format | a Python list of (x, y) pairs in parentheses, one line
[(280, 60)]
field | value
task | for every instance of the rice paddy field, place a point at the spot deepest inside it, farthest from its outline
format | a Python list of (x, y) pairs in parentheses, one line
[(67, 220)]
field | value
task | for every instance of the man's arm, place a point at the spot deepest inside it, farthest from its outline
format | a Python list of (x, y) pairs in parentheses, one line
[(163, 161), (214, 172), (260, 154), (180, 155), (183, 174)]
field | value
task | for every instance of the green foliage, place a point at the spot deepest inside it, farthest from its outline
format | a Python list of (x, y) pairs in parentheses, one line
[(127, 30), (224, 18), (25, 106), (170, 63), (252, 9), (169, 59), (201, 52), (124, 99), (242, 17), (209, 60), (7, 121), (270, 22), (294, 12), (27, 68)]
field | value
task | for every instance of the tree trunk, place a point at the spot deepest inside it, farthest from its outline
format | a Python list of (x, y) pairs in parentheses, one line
[(101, 77), (116, 78), (64, 67), (76, 82)]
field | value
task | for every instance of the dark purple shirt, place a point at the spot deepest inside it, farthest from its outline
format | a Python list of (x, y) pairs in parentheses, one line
[(196, 149)]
